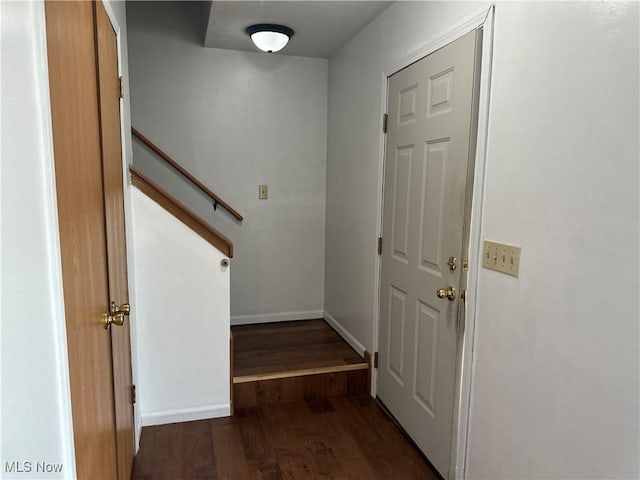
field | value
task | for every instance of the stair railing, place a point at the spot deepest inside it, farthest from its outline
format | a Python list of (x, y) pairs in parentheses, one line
[(194, 181)]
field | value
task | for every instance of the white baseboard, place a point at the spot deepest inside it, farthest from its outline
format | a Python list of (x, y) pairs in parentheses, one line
[(275, 317), (344, 333), (185, 415)]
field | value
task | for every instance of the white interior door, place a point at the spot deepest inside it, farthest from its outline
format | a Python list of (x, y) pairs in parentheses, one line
[(429, 145)]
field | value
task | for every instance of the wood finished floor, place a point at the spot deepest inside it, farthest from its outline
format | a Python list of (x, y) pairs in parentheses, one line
[(346, 438), (265, 349)]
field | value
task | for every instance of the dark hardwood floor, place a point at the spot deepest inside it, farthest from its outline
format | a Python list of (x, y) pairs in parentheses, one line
[(263, 351), (346, 438)]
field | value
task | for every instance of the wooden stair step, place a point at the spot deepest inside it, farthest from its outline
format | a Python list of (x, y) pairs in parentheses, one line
[(294, 361), (299, 386), (300, 372)]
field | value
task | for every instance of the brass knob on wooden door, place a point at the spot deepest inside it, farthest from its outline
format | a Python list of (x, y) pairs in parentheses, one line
[(116, 314), (125, 308)]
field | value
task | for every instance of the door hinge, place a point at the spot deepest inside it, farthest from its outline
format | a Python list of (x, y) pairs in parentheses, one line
[(460, 324), (133, 394), (379, 245), (385, 122), (375, 360), (121, 87)]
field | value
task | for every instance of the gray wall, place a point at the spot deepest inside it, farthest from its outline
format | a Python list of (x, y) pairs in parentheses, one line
[(236, 120), (556, 373)]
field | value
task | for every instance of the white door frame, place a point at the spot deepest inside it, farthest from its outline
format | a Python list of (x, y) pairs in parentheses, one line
[(485, 20)]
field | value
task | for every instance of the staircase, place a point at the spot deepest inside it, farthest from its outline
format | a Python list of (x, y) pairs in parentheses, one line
[(271, 363), (294, 361)]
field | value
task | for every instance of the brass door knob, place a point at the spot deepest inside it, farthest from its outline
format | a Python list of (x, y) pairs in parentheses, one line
[(448, 293), (453, 263), (116, 314), (117, 319), (125, 309)]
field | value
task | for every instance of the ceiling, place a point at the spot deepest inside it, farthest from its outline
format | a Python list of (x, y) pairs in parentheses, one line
[(321, 27)]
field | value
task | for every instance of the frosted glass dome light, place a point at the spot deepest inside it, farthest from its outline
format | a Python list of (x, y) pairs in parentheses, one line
[(269, 41), (269, 37)]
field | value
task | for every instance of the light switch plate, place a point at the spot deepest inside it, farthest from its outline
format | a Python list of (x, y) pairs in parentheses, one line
[(263, 192), (501, 257)]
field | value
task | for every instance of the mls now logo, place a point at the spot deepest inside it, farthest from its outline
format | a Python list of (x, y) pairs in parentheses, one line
[(28, 467)]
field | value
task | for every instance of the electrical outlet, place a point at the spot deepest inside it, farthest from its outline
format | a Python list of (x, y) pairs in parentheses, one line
[(501, 258), (263, 192)]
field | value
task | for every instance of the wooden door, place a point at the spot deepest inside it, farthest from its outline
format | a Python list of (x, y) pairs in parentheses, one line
[(427, 161), (109, 96), (81, 218), (85, 104)]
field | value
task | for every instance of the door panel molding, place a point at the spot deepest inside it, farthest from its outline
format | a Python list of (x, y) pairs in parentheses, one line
[(424, 212), (483, 19)]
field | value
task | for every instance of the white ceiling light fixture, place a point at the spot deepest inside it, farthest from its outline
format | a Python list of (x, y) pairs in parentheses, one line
[(269, 37)]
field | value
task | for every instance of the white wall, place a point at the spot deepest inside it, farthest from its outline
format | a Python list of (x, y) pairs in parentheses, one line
[(237, 120), (555, 381), (182, 295), (35, 388), (36, 420), (557, 349)]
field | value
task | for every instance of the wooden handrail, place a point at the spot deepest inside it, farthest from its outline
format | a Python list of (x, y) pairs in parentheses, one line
[(203, 188), (180, 211)]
